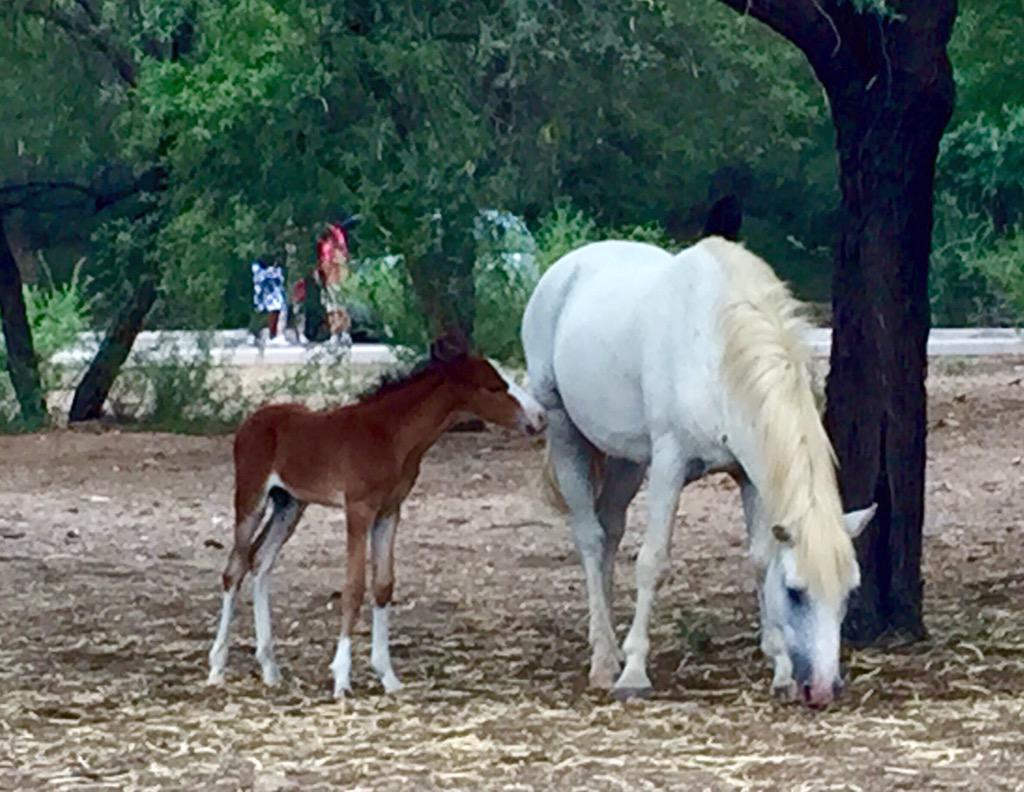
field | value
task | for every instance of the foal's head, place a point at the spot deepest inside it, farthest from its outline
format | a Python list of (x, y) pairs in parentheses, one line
[(482, 389)]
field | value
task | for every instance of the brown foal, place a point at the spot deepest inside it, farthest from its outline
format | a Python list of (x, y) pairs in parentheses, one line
[(364, 457)]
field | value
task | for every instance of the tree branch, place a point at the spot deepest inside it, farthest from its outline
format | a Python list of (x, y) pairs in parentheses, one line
[(56, 196), (89, 30), (806, 23)]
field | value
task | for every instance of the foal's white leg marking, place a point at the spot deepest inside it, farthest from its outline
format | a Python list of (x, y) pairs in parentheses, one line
[(667, 476), (341, 667), (380, 655), (219, 650), (282, 523), (381, 548), (264, 632), (571, 461)]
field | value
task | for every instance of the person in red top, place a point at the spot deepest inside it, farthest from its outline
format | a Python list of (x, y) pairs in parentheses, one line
[(331, 272)]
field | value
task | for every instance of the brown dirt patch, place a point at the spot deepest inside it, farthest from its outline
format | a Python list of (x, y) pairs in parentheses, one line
[(108, 584)]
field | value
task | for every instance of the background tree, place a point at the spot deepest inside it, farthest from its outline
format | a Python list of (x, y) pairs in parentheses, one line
[(885, 69)]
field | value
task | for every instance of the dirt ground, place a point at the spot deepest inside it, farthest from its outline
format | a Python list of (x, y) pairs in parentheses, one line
[(109, 569)]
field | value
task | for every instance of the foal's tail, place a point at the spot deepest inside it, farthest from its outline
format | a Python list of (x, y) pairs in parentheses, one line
[(553, 493)]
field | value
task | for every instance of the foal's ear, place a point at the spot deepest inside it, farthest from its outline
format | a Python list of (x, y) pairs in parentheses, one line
[(856, 521), (782, 534), (450, 346)]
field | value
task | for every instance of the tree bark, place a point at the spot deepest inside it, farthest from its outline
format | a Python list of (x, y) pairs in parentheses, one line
[(890, 86), (91, 393), (890, 114), (21, 357)]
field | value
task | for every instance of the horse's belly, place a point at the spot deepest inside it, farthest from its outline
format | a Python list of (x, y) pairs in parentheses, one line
[(603, 400)]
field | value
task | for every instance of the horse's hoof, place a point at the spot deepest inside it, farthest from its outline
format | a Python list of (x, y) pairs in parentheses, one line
[(390, 683), (785, 693), (603, 678), (629, 693), (271, 676), (215, 679)]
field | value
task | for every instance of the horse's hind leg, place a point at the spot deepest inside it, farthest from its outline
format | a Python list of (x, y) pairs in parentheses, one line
[(570, 457), (287, 512), (622, 480)]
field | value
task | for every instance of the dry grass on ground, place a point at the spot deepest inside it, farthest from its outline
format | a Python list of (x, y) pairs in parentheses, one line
[(108, 584)]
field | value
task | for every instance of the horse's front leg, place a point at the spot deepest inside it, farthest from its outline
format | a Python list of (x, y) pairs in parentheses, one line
[(774, 647), (772, 644), (666, 482)]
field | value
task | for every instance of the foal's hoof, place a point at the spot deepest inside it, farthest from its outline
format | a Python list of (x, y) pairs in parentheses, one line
[(215, 679)]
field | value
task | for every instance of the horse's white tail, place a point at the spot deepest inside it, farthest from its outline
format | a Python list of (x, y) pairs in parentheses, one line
[(553, 493)]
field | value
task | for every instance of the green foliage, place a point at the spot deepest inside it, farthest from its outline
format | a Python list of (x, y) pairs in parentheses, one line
[(1002, 265), (590, 120), (382, 289), (563, 229), (961, 294)]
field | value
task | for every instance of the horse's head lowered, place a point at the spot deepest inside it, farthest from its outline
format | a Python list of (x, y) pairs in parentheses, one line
[(482, 389), (802, 621)]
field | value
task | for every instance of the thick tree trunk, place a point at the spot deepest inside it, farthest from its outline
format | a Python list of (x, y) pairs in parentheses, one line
[(21, 357), (91, 393), (890, 114), (443, 277)]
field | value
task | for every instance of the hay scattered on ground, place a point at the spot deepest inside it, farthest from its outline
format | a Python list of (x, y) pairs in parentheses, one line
[(108, 579)]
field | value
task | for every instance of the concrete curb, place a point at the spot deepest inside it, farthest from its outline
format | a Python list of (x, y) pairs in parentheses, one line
[(234, 348)]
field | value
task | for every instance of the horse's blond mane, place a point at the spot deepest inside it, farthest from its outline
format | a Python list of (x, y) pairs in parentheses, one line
[(767, 368)]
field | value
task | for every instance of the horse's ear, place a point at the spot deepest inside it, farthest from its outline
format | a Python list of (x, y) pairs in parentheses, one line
[(450, 346), (782, 534), (856, 521)]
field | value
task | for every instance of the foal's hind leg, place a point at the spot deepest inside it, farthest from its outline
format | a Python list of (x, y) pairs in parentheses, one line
[(382, 551), (622, 480), (287, 512), (570, 456), (234, 573)]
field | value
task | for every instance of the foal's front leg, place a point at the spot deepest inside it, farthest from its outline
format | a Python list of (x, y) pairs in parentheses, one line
[(359, 519)]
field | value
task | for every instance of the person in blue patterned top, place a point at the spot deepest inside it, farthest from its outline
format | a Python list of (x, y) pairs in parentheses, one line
[(268, 296)]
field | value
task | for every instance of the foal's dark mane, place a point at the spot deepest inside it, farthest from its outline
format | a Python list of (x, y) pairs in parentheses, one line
[(392, 381)]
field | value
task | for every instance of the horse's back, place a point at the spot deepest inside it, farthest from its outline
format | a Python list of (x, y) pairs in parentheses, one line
[(621, 335)]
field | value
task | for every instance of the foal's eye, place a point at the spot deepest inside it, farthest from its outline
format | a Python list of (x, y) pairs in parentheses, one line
[(797, 597)]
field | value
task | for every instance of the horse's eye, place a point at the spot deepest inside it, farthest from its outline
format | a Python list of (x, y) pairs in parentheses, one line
[(797, 597)]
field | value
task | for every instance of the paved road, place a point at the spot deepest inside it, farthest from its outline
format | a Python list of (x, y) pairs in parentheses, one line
[(235, 347)]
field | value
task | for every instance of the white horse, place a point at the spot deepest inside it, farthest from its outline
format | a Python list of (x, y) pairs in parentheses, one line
[(687, 365)]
